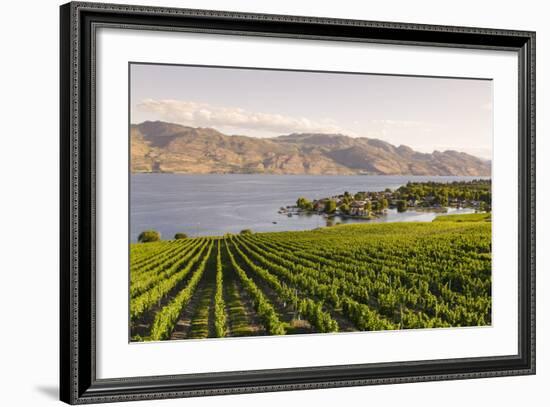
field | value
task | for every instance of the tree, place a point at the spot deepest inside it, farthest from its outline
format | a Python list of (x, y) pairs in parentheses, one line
[(485, 207), (384, 204), (344, 209), (180, 235), (401, 206), (149, 236), (368, 207), (246, 232), (300, 201), (330, 206), (304, 203), (442, 198)]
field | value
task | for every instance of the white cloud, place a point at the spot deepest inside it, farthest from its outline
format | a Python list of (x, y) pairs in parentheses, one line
[(199, 114), (419, 135)]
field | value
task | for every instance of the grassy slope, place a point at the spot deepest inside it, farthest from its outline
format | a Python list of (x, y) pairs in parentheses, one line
[(471, 217)]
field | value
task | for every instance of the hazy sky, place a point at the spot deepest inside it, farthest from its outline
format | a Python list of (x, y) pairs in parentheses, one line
[(426, 114)]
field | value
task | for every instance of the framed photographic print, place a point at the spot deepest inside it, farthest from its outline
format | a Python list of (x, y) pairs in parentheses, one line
[(256, 203)]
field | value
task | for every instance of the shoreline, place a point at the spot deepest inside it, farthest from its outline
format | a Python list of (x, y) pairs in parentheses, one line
[(374, 224), (336, 224)]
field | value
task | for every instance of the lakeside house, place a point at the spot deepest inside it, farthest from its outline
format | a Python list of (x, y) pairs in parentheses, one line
[(357, 208), (319, 205)]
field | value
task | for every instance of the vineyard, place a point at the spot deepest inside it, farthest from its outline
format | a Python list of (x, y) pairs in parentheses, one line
[(361, 277)]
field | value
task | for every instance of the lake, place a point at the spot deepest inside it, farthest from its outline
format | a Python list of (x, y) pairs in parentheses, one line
[(216, 204)]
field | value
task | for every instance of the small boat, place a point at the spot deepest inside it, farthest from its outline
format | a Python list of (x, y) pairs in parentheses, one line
[(274, 222)]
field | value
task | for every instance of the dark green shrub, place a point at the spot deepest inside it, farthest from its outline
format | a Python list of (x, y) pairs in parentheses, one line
[(401, 206), (330, 206), (149, 236)]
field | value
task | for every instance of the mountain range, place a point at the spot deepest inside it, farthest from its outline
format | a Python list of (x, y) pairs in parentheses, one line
[(167, 147)]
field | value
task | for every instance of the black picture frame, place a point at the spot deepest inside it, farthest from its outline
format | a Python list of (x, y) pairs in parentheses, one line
[(78, 382)]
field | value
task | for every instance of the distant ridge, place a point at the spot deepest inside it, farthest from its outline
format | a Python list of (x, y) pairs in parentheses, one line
[(168, 147)]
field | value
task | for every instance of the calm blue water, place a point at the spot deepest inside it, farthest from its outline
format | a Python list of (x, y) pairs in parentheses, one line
[(217, 204)]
